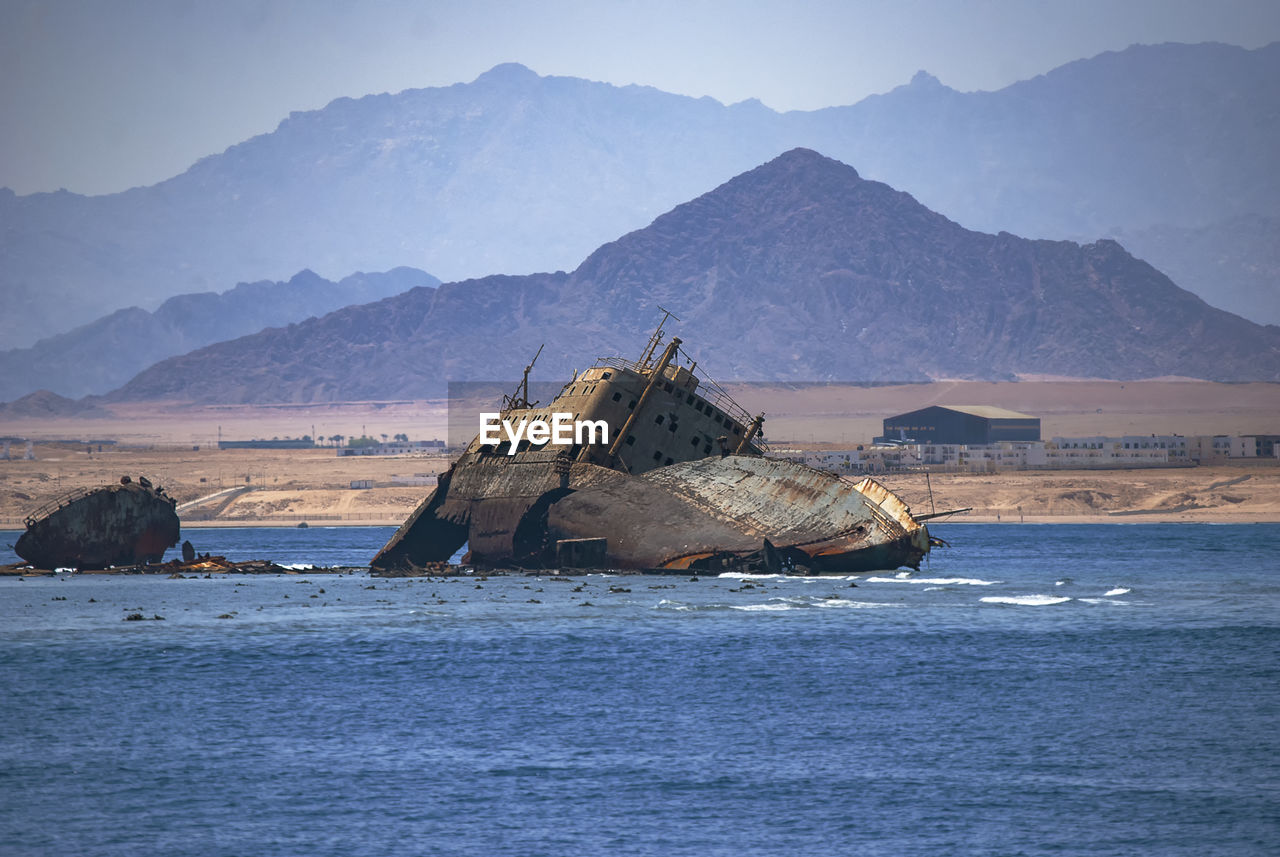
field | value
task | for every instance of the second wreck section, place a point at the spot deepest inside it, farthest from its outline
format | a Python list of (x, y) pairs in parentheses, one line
[(681, 483)]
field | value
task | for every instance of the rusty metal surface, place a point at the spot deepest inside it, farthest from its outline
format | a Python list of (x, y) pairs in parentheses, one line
[(425, 537), (677, 514), (513, 511), (114, 525), (777, 498), (645, 524)]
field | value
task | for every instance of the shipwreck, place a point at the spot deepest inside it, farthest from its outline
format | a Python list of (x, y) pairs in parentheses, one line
[(128, 523), (681, 484)]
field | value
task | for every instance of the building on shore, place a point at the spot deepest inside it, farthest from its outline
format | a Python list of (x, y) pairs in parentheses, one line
[(1064, 453), (967, 425), (413, 447), (1268, 445), (274, 443)]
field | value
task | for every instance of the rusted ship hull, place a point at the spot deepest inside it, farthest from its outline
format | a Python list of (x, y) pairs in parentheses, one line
[(123, 524), (680, 483), (715, 513)]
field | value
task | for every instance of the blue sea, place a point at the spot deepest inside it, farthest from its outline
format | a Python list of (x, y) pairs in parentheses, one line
[(1034, 690)]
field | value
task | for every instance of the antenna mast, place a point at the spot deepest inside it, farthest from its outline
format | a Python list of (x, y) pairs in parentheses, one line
[(520, 398), (656, 339)]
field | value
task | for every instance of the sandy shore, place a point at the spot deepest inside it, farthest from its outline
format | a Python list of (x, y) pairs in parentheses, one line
[(1218, 494), (285, 487), (175, 445), (229, 487)]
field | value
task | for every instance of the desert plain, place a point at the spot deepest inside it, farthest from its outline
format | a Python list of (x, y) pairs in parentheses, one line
[(176, 446)]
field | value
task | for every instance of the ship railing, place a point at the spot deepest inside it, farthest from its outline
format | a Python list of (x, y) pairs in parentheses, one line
[(708, 389), (719, 396), (57, 503), (619, 363)]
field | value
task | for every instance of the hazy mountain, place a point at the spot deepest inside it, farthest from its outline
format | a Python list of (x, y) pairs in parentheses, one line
[(1239, 255), (797, 270), (44, 404), (515, 172), (103, 354)]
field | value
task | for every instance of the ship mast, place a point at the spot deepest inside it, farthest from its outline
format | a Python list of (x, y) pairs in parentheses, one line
[(519, 400), (655, 340)]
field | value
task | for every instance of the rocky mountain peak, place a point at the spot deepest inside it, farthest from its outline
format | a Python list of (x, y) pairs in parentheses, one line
[(797, 270), (924, 81), (508, 74)]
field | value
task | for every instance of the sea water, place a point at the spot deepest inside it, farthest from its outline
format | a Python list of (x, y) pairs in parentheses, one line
[(1032, 690)]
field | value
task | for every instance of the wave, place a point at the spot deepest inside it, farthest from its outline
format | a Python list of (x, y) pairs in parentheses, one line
[(742, 575), (1119, 590), (1026, 600), (777, 605), (841, 602), (804, 604), (935, 581)]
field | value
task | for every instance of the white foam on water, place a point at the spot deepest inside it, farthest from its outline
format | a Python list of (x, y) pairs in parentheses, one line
[(1119, 590), (934, 581), (742, 575), (779, 605), (1104, 601), (840, 602), (299, 566), (1059, 583), (1026, 600)]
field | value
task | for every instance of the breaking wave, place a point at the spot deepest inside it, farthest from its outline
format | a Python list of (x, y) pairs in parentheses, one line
[(1119, 590), (1026, 600), (805, 604), (934, 581), (777, 605)]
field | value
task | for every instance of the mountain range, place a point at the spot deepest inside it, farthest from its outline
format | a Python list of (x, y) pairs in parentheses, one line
[(1166, 146), (102, 355), (797, 270)]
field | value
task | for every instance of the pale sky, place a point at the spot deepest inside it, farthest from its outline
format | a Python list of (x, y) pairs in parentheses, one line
[(100, 95)]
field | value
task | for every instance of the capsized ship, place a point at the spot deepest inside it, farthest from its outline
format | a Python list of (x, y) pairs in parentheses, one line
[(681, 484), (123, 524)]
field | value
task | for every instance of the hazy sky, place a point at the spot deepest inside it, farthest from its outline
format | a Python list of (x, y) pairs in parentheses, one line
[(101, 95)]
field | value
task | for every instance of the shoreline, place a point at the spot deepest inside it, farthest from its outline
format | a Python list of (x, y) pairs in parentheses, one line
[(1109, 519), (1208, 516)]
